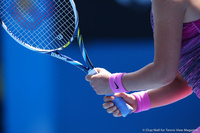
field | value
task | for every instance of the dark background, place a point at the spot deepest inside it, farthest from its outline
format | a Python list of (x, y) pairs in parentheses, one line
[(109, 19)]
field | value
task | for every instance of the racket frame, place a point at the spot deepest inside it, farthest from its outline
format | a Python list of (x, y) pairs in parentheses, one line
[(119, 102)]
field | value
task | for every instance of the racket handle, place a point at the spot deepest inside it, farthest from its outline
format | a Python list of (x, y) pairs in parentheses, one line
[(119, 102), (124, 107), (92, 71)]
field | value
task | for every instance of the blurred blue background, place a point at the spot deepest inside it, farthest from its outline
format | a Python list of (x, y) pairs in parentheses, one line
[(41, 94)]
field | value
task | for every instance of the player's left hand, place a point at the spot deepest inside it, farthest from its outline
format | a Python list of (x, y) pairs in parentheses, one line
[(100, 81), (111, 108)]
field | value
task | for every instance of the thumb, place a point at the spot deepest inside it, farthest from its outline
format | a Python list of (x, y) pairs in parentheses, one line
[(88, 77), (122, 95), (127, 98)]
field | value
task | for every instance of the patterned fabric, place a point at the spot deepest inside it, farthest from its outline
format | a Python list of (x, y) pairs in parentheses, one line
[(189, 64)]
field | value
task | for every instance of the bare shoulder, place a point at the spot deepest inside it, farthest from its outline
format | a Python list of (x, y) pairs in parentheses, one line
[(192, 12), (169, 9), (188, 10), (170, 4)]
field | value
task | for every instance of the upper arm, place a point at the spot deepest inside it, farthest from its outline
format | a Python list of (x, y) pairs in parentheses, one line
[(168, 24)]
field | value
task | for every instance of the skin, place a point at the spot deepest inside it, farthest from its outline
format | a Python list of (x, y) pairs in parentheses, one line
[(160, 78)]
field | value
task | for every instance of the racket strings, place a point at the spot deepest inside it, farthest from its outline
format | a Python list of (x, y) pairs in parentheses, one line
[(69, 30), (46, 36), (62, 24), (20, 34), (44, 39), (65, 29)]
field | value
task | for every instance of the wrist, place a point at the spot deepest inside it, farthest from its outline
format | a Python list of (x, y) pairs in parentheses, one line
[(115, 82), (143, 101)]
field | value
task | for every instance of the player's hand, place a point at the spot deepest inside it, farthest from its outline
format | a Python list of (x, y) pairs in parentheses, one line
[(100, 81), (111, 108)]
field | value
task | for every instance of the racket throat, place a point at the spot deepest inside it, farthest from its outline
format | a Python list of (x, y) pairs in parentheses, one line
[(69, 60), (57, 55)]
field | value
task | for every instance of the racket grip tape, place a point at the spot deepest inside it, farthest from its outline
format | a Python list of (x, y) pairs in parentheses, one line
[(124, 107)]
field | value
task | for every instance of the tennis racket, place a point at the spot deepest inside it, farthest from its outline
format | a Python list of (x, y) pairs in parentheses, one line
[(48, 26)]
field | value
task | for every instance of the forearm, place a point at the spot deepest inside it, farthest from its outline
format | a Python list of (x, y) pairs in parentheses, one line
[(171, 93), (150, 77)]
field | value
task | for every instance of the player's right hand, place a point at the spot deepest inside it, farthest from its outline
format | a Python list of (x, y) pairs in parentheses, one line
[(100, 81)]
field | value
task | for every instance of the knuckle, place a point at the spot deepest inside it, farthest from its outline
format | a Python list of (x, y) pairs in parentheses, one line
[(98, 93), (114, 108), (108, 111), (105, 99), (115, 115), (92, 84), (104, 106)]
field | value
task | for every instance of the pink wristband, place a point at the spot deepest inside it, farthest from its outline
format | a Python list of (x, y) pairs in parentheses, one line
[(115, 81), (143, 101)]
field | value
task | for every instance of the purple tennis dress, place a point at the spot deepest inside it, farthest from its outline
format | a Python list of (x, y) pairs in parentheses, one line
[(189, 64)]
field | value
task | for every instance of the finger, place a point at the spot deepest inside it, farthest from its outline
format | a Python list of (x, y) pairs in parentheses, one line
[(88, 77), (99, 70), (123, 95), (108, 98), (117, 113), (131, 100), (108, 105), (111, 109)]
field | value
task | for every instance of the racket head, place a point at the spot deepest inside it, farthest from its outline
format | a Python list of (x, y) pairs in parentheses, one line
[(40, 25)]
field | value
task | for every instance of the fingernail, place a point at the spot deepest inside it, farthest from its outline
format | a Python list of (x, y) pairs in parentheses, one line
[(111, 104)]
